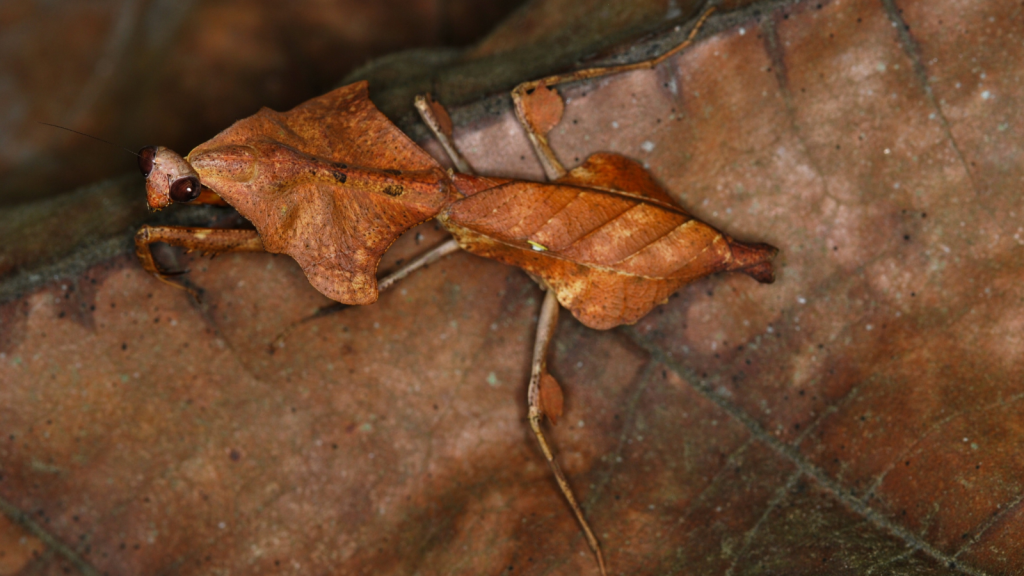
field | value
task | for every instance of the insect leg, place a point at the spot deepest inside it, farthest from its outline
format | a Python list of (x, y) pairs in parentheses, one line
[(529, 96), (440, 124), (425, 259), (206, 240), (537, 410), (436, 118), (538, 132)]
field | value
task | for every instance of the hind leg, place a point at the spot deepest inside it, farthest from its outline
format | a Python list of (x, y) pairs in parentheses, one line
[(544, 398), (539, 107), (440, 124)]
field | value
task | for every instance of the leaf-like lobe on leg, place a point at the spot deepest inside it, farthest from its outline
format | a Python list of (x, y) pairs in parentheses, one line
[(444, 121), (613, 248), (543, 108), (551, 398), (332, 183)]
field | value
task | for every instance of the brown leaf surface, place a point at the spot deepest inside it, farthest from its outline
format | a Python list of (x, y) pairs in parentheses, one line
[(332, 183), (861, 415), (607, 240)]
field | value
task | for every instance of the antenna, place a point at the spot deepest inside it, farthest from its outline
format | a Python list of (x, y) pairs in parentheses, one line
[(93, 137)]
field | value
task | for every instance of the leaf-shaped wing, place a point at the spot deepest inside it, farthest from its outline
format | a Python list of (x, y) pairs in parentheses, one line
[(332, 183), (617, 173), (609, 256)]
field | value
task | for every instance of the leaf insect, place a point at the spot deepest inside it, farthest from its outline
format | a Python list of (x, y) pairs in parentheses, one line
[(333, 183)]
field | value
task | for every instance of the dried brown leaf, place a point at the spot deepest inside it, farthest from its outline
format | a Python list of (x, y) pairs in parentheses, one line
[(863, 414), (610, 254)]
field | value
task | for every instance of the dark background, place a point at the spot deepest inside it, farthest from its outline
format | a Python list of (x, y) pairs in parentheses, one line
[(171, 72)]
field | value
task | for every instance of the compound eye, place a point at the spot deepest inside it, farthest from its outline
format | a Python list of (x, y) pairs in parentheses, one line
[(146, 156), (185, 189)]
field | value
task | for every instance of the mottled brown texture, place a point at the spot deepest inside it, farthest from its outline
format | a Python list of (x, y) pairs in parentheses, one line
[(814, 426), (17, 547)]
